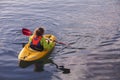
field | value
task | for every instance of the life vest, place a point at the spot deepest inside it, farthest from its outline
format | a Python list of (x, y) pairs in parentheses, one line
[(36, 40), (35, 43)]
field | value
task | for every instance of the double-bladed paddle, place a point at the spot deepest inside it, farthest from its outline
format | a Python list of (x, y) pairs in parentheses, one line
[(27, 32)]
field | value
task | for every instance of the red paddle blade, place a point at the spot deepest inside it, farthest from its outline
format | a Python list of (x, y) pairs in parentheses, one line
[(26, 32)]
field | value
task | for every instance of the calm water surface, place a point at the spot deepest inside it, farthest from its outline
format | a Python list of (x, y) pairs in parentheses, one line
[(91, 27)]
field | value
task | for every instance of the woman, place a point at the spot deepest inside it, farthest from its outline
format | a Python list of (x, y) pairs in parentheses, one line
[(37, 42)]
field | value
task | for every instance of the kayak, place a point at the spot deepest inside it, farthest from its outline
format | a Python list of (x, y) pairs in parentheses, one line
[(28, 55)]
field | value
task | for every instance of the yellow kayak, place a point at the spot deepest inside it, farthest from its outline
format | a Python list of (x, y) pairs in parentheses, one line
[(28, 54)]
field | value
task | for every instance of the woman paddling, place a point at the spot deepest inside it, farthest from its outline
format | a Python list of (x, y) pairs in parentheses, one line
[(37, 41)]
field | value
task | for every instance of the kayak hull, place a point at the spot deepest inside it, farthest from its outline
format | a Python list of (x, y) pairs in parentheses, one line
[(28, 56)]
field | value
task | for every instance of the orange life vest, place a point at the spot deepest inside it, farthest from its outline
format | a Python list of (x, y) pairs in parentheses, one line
[(36, 40), (35, 44)]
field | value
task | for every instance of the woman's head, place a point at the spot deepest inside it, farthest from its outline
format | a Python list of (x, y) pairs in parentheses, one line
[(39, 31)]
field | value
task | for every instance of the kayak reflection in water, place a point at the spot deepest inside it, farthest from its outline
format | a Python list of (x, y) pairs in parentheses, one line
[(38, 66)]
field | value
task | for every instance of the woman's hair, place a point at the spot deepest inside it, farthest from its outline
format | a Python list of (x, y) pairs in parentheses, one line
[(39, 31)]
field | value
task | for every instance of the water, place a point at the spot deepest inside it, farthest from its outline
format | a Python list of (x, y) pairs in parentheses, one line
[(91, 27)]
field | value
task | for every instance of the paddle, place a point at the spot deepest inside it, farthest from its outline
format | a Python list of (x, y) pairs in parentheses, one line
[(27, 32)]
